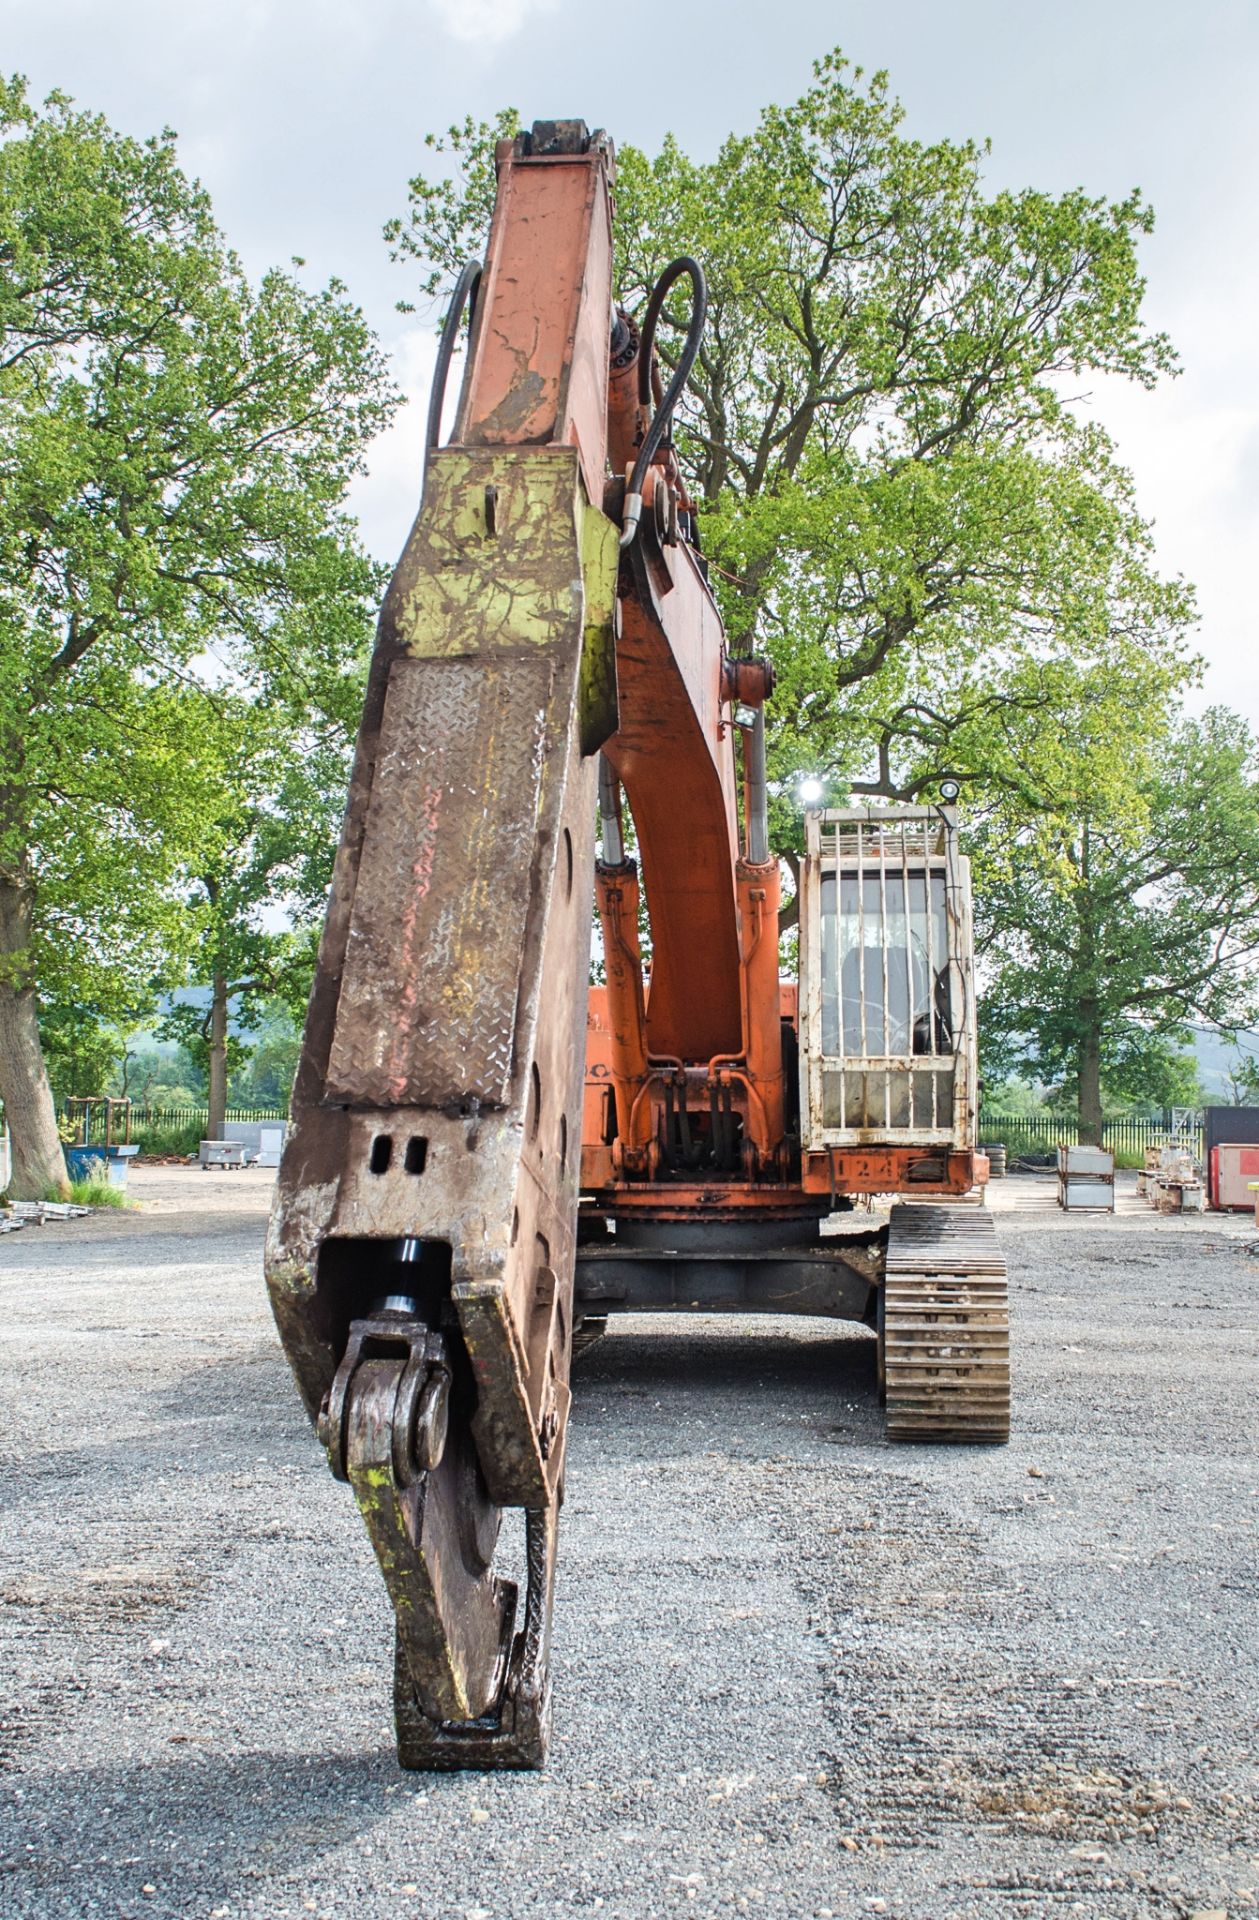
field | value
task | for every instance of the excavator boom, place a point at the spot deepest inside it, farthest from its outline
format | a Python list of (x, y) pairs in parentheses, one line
[(549, 650)]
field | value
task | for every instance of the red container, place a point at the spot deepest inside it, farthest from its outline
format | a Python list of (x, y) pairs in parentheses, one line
[(1233, 1165)]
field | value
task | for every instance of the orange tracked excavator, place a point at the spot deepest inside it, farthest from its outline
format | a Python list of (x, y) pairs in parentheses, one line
[(487, 1155)]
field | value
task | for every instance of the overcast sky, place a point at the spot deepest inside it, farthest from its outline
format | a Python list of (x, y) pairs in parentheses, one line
[(305, 122)]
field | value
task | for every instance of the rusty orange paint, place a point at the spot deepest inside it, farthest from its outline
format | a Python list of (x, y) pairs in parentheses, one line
[(678, 775), (758, 893), (616, 895), (538, 369), (850, 1170), (710, 1200)]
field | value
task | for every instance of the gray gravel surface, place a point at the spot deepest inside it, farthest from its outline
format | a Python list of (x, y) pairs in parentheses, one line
[(798, 1672)]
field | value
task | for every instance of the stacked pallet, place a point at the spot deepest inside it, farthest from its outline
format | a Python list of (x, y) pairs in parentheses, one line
[(1171, 1179), (34, 1213)]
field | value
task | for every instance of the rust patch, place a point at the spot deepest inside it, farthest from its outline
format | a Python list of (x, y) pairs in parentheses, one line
[(517, 408), (427, 1010)]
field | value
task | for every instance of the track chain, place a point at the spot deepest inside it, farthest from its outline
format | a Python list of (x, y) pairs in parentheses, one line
[(945, 1341)]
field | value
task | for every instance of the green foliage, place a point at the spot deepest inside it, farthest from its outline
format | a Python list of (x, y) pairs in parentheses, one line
[(1152, 1074), (167, 1137), (1159, 1075), (266, 1080), (900, 505), (1012, 1095), (1244, 1081), (163, 1076), (903, 505), (456, 207), (92, 1193), (1103, 940), (268, 845), (178, 576), (188, 1025), (81, 1047)]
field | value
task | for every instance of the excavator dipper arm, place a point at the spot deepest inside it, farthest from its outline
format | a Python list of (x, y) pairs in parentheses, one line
[(421, 1249)]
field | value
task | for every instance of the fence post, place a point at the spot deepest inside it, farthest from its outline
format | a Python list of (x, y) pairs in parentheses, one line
[(1041, 1132)]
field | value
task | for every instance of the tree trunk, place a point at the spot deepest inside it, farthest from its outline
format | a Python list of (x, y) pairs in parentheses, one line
[(39, 1165), (218, 1057), (1089, 1056), (1090, 1075)]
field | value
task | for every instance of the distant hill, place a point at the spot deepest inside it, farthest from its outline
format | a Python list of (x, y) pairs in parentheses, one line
[(1217, 1058), (186, 997)]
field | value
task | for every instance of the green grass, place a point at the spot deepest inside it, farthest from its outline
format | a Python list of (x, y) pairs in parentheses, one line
[(167, 1138), (91, 1193)]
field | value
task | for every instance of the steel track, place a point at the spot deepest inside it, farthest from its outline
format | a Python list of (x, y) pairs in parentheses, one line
[(945, 1341)]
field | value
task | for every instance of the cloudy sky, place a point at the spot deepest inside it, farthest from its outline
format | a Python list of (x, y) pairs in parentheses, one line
[(305, 118)]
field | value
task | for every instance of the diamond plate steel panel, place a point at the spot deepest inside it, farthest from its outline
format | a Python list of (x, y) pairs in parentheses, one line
[(427, 1009)]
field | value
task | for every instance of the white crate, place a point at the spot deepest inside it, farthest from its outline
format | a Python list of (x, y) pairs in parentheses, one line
[(1096, 1195), (263, 1140), (1083, 1159), (223, 1153)]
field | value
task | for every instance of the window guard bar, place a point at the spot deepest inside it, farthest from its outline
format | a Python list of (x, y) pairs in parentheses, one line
[(895, 876)]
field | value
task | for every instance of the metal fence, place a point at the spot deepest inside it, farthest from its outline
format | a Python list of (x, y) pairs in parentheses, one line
[(1030, 1133), (171, 1130), (1040, 1133), (1020, 1132), (176, 1116), (156, 1114)]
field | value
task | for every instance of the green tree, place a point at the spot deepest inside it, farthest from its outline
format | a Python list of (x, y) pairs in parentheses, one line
[(175, 446), (1010, 1094), (266, 1080), (1244, 1082), (264, 868), (151, 1073), (1103, 940), (82, 1049), (899, 502)]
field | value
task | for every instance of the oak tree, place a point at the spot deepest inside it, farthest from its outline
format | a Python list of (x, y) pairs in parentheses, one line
[(262, 871), (903, 499), (175, 446), (1104, 939)]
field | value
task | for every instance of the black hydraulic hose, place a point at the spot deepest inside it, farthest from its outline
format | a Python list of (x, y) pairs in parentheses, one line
[(466, 287), (681, 373)]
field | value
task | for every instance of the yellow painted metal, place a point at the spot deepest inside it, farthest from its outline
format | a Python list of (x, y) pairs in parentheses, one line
[(506, 553), (600, 560)]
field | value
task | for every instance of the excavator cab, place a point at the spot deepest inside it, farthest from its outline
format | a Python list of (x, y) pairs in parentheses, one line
[(487, 1157), (887, 1028)]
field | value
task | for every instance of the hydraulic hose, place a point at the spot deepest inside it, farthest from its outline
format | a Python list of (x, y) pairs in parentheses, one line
[(613, 854), (466, 288), (757, 791), (681, 373)]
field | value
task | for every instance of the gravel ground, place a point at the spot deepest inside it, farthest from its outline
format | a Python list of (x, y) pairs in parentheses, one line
[(798, 1672)]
